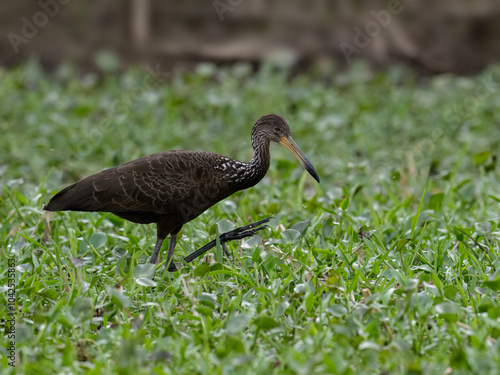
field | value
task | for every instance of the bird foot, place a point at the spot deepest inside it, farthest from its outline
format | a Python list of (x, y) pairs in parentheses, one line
[(235, 234)]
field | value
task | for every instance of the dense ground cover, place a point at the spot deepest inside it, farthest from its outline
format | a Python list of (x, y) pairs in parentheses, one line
[(390, 265)]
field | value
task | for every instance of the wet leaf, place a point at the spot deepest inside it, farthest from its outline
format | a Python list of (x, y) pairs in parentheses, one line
[(144, 271)]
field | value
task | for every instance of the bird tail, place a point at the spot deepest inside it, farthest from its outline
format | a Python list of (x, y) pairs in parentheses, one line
[(76, 197)]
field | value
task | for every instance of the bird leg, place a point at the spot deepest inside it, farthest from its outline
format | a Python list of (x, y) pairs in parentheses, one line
[(171, 247), (156, 251), (236, 234)]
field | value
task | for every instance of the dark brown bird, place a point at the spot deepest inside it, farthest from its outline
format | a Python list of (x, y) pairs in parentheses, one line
[(171, 188)]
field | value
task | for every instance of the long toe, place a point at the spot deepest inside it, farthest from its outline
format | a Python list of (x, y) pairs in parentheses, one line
[(172, 267), (238, 235)]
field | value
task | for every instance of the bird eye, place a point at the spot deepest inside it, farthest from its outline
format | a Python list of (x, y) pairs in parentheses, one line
[(277, 129)]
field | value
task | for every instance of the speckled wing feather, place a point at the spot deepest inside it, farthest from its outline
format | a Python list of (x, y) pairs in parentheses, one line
[(176, 183)]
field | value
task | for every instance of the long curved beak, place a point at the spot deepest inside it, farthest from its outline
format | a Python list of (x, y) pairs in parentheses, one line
[(289, 143)]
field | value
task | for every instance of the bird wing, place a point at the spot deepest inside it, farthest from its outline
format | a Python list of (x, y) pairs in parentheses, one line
[(155, 183)]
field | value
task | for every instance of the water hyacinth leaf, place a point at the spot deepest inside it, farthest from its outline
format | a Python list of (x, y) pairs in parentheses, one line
[(290, 236), (120, 253), (482, 228), (250, 243), (369, 345), (84, 248), (216, 267), (492, 284), (144, 271), (118, 299), (204, 310), (24, 267), (98, 240), (82, 308), (411, 284), (228, 206), (237, 323), (142, 281), (327, 229), (301, 226), (300, 288), (448, 311), (337, 310), (225, 226), (450, 291), (49, 294), (208, 299), (265, 323), (202, 269)]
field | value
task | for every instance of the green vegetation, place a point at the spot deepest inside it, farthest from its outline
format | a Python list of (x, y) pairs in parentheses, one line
[(389, 266)]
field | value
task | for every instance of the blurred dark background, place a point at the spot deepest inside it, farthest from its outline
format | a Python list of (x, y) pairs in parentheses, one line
[(432, 37)]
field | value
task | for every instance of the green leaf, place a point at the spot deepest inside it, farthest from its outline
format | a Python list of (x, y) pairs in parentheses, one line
[(492, 284), (290, 236), (24, 267), (344, 205), (118, 299), (411, 285), (414, 221), (482, 228), (327, 229), (265, 323), (208, 299), (144, 271), (216, 267), (225, 226), (448, 311), (301, 226), (82, 308), (436, 201), (202, 269), (49, 294), (496, 199), (98, 240), (450, 291), (309, 302), (401, 243), (145, 282), (237, 323), (481, 157), (369, 345), (204, 310)]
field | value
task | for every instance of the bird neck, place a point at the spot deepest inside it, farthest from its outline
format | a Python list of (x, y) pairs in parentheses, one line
[(246, 174), (261, 157)]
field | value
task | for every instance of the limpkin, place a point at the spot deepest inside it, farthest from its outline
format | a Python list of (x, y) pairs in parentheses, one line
[(171, 188)]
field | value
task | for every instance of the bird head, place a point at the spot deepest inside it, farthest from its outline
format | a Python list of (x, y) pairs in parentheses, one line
[(275, 128)]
